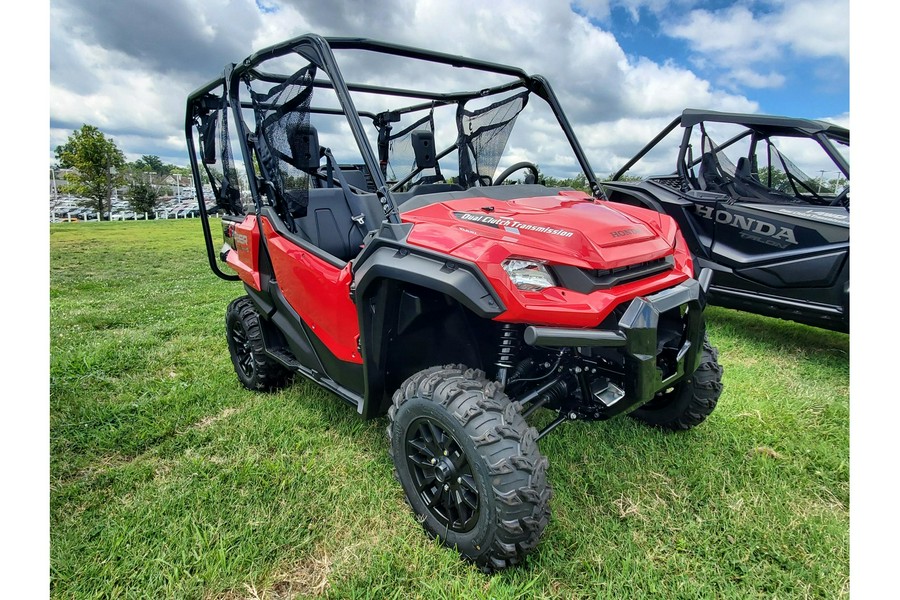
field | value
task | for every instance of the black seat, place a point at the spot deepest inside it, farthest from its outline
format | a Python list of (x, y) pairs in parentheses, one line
[(329, 222), (356, 178), (742, 171), (748, 186), (708, 175)]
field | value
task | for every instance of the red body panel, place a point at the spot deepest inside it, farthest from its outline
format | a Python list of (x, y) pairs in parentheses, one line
[(319, 292), (245, 259), (568, 229)]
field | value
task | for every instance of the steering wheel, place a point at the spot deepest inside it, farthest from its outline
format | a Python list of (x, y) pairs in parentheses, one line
[(516, 167), (842, 199)]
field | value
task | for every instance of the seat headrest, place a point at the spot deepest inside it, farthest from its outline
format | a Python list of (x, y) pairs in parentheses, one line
[(304, 144), (423, 146)]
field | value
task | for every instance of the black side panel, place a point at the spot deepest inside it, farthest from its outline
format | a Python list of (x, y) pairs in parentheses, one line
[(819, 271), (406, 328), (348, 375), (309, 349), (448, 277), (291, 325)]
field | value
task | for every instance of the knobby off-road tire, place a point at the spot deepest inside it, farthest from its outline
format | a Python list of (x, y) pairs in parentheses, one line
[(691, 401), (255, 369), (469, 465)]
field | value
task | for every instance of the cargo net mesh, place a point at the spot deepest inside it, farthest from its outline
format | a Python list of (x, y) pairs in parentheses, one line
[(401, 156), (223, 174), (282, 111), (483, 136)]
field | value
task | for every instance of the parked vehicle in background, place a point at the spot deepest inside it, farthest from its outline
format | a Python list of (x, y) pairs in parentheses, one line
[(746, 196)]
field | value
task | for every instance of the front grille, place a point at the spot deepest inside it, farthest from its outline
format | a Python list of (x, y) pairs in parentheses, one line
[(591, 280)]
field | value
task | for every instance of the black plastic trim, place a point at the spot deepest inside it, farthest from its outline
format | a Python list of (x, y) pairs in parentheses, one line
[(638, 336), (586, 281), (387, 255), (313, 359)]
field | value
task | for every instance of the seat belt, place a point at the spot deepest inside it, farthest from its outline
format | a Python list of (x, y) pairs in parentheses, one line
[(349, 197)]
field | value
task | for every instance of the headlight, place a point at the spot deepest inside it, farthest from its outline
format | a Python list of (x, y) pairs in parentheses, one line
[(528, 275)]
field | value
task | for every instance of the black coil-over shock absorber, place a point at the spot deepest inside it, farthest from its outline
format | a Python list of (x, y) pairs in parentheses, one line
[(507, 348)]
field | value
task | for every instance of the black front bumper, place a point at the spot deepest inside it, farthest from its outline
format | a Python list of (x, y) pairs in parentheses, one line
[(637, 337)]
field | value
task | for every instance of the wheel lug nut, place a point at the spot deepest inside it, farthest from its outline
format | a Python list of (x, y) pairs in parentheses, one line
[(433, 460), (459, 480), (445, 453), (446, 487)]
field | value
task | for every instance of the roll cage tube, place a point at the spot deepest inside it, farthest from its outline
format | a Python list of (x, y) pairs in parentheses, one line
[(648, 147), (542, 88), (827, 144), (195, 100), (319, 52)]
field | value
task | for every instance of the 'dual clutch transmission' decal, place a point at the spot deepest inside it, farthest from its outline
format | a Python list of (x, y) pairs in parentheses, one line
[(510, 225)]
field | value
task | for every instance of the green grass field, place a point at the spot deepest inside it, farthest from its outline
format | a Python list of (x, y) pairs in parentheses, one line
[(169, 480)]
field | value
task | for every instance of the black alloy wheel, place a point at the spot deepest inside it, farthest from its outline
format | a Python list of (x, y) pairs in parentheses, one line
[(255, 368), (243, 350), (469, 465), (442, 474)]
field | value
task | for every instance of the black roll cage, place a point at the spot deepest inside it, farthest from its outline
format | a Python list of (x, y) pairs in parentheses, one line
[(757, 125), (318, 51)]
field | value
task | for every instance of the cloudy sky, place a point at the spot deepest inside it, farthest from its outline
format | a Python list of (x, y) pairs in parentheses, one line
[(622, 68)]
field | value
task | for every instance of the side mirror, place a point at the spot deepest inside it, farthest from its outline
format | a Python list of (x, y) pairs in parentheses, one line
[(423, 146)]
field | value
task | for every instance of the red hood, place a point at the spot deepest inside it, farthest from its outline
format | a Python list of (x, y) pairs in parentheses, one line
[(570, 228)]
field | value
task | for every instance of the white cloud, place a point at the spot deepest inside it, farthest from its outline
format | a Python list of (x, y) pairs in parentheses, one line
[(138, 97), (652, 89), (742, 77), (600, 9), (842, 119), (738, 39), (816, 28)]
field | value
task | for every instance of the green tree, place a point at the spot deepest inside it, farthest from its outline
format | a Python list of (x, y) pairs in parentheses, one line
[(578, 182), (624, 177), (152, 163), (183, 171), (143, 197), (96, 162), (775, 179)]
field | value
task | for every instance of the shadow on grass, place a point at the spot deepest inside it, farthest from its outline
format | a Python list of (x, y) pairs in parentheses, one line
[(777, 334)]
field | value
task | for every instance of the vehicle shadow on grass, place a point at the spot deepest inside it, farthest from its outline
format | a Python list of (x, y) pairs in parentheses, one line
[(335, 414), (777, 335)]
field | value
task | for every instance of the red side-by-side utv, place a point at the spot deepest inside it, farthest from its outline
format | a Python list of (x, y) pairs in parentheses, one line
[(385, 259)]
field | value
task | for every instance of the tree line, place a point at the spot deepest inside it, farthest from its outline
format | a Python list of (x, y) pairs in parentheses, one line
[(96, 167)]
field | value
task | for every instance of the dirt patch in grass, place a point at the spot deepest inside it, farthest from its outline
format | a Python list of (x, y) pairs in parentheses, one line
[(305, 578), (212, 420), (308, 577), (764, 451)]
